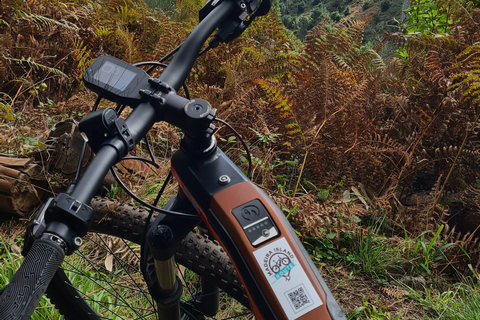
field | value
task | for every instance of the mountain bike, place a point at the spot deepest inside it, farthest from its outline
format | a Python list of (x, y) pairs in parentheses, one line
[(99, 260)]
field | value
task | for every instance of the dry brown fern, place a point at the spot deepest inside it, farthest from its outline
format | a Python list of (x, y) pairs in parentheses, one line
[(332, 100)]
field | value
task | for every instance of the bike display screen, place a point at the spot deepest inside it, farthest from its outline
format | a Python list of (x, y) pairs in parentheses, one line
[(114, 75), (116, 80)]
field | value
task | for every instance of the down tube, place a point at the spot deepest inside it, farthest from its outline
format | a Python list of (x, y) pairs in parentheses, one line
[(280, 278)]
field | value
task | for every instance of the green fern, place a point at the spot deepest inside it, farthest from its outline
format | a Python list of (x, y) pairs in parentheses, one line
[(37, 66), (82, 54), (469, 78), (126, 15), (284, 105), (103, 31), (128, 40), (344, 44)]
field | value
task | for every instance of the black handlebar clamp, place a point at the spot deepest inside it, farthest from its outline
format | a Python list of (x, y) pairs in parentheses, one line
[(102, 126), (234, 27), (62, 216)]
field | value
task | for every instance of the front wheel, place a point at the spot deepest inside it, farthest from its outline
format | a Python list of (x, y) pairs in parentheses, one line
[(102, 280)]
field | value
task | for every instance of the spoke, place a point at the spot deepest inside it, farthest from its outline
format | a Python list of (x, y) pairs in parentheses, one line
[(146, 295), (103, 304), (111, 291), (122, 292), (96, 280), (100, 268), (119, 296), (101, 280), (193, 295), (105, 247)]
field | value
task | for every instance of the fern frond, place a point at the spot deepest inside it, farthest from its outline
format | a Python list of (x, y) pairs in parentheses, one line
[(472, 93), (103, 31), (82, 54), (187, 12), (283, 103), (44, 22), (128, 40), (38, 66), (126, 15), (468, 75), (376, 59), (344, 44)]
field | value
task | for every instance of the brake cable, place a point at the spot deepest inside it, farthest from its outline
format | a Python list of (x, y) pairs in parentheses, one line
[(244, 144)]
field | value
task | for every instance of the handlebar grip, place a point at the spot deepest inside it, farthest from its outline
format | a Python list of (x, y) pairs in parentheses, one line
[(20, 297)]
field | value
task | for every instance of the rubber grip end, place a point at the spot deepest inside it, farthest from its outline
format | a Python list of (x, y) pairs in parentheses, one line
[(20, 297)]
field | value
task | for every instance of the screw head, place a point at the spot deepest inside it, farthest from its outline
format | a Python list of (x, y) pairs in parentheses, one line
[(164, 233), (56, 239), (224, 179), (77, 241)]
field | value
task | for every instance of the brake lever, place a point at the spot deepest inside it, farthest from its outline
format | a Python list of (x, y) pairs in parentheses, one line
[(248, 11)]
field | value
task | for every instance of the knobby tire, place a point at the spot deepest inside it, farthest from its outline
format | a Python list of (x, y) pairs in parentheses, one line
[(117, 227)]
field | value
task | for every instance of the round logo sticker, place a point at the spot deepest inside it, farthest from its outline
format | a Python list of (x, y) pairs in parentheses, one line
[(278, 263)]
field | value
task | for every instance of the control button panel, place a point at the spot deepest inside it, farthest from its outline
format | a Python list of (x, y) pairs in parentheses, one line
[(256, 222)]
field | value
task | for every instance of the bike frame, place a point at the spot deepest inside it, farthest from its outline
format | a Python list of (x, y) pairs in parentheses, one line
[(256, 236), (280, 279)]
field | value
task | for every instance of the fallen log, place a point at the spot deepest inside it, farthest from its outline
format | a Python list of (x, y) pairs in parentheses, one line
[(23, 179), (26, 181), (22, 186)]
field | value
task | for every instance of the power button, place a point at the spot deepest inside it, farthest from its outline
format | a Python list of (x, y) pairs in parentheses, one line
[(256, 222)]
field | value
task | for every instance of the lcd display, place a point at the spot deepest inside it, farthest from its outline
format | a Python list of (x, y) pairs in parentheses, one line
[(114, 76)]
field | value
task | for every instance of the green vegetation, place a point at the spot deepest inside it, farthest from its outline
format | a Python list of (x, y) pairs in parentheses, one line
[(460, 302), (302, 16), (370, 311), (112, 282), (434, 16)]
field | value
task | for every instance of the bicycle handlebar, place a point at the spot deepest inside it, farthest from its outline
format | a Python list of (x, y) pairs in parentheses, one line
[(19, 298)]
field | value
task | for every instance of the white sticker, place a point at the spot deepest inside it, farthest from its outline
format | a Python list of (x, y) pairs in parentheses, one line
[(287, 278)]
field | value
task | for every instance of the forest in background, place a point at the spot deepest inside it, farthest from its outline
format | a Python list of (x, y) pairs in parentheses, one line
[(340, 137), (301, 16)]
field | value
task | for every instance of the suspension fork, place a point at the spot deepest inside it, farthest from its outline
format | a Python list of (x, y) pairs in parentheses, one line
[(159, 268)]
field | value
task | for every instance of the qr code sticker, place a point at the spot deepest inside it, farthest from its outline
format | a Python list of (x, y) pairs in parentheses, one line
[(299, 298)]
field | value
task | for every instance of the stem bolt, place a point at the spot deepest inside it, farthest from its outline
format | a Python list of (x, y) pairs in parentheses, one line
[(224, 179), (77, 241)]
